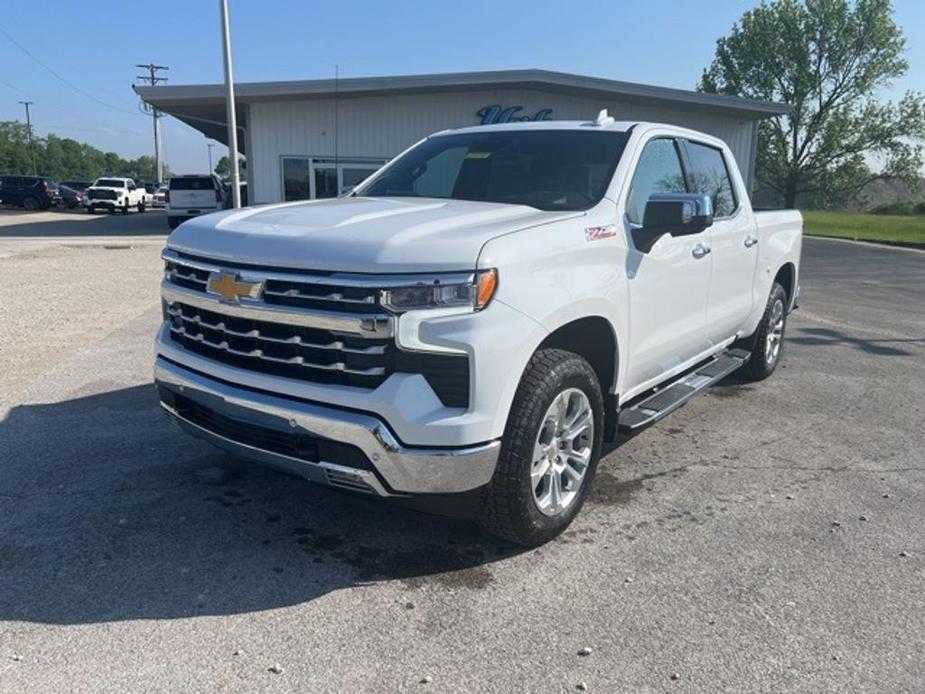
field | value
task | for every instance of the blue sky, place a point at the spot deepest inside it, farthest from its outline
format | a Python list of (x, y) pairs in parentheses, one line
[(96, 46)]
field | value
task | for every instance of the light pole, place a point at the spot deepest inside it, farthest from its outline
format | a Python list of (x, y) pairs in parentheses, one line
[(210, 145), (27, 104), (229, 107)]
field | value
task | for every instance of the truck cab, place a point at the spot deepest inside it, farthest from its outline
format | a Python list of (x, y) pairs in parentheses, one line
[(480, 315)]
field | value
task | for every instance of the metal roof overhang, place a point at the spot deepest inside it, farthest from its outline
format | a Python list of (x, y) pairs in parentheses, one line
[(202, 106)]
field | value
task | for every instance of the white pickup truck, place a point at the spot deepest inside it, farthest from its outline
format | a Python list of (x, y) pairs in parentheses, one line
[(115, 194), (480, 315)]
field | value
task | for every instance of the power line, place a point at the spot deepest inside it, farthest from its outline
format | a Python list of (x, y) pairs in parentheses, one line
[(62, 79)]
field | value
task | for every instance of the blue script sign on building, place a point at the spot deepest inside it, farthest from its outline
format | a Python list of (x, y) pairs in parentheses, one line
[(495, 114)]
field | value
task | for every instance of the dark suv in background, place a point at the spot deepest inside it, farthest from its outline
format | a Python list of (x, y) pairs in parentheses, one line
[(31, 192)]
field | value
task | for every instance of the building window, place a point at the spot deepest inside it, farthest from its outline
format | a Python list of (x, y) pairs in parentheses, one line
[(309, 178), (295, 179)]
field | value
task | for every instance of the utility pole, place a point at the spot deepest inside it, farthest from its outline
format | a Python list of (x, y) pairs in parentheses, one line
[(210, 145), (27, 104), (229, 107), (152, 79)]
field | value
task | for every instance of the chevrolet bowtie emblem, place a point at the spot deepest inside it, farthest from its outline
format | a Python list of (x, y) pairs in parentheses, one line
[(230, 288)]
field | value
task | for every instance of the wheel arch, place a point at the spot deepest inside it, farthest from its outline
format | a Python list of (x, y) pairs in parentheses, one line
[(786, 276), (594, 339)]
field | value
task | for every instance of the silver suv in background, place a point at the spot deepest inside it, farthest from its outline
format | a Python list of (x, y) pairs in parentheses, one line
[(193, 195)]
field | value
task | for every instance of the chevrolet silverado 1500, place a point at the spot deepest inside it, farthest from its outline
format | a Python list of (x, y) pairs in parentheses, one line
[(480, 315)]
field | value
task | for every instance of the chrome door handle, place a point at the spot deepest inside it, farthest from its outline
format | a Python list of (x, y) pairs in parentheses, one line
[(750, 241), (699, 251)]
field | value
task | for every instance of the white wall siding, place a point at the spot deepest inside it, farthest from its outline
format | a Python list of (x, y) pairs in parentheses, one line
[(381, 127)]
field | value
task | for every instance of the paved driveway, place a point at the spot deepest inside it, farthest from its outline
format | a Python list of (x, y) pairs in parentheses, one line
[(765, 538)]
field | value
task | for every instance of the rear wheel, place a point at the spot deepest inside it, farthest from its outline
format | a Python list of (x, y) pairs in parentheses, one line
[(124, 209), (549, 452), (768, 341), (31, 203), (141, 207)]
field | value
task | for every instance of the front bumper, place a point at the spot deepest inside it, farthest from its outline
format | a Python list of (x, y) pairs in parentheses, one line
[(393, 469)]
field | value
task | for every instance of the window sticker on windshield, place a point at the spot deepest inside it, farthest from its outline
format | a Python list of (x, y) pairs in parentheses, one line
[(478, 155), (598, 233)]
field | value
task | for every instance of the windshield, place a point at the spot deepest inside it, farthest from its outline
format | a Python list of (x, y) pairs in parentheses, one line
[(109, 183), (545, 169)]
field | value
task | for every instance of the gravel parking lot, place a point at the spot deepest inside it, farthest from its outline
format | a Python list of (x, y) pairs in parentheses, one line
[(765, 538)]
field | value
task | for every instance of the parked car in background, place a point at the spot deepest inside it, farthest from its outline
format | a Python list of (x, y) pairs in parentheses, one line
[(113, 194), (30, 192), (193, 195), (71, 197), (76, 185), (480, 315), (160, 197), (229, 199)]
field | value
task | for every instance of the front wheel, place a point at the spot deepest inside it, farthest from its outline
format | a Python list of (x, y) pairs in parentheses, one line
[(549, 453), (31, 204), (768, 340), (141, 207)]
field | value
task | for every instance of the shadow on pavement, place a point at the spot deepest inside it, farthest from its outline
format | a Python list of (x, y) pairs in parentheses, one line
[(109, 513), (823, 337), (78, 223)]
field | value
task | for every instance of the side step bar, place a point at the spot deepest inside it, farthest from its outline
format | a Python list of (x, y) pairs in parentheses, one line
[(652, 408)]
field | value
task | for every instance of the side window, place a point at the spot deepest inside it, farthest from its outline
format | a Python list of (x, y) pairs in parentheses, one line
[(708, 174), (658, 171)]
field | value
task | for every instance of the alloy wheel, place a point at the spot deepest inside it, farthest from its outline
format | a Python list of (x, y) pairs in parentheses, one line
[(562, 452)]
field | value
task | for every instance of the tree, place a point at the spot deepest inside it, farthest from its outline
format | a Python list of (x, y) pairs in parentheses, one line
[(223, 167), (827, 59), (66, 159)]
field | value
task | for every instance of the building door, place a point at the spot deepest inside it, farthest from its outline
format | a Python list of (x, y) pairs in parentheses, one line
[(330, 179), (309, 178)]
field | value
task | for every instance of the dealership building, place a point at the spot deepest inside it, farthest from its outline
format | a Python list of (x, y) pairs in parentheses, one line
[(310, 139)]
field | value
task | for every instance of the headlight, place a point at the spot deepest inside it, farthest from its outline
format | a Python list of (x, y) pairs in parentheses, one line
[(474, 293)]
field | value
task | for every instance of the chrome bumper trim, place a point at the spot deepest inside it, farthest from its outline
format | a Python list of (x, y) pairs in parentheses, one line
[(375, 326), (405, 470), (356, 480)]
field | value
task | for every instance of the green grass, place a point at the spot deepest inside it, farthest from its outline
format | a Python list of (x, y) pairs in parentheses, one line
[(865, 227)]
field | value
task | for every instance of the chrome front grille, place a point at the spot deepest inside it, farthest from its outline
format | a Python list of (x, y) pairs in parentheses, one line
[(317, 327), (306, 327)]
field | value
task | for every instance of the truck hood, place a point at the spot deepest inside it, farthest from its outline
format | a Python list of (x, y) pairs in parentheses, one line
[(358, 234)]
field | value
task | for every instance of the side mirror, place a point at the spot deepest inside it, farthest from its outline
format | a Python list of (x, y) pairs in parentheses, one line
[(678, 214)]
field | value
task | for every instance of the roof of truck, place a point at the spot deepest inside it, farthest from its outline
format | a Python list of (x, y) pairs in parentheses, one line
[(614, 125)]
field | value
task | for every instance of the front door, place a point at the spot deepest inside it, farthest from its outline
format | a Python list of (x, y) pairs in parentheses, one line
[(733, 240), (668, 286)]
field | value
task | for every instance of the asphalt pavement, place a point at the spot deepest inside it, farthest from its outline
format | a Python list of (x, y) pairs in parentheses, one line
[(765, 538)]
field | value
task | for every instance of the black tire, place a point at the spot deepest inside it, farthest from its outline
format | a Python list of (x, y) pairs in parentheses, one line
[(765, 357), (91, 209), (124, 209), (506, 506), (141, 207), (31, 204)]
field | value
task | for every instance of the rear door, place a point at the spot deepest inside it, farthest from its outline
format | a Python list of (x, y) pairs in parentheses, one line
[(193, 193), (733, 240), (668, 286)]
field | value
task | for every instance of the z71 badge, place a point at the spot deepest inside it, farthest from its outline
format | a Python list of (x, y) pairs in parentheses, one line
[(598, 233)]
